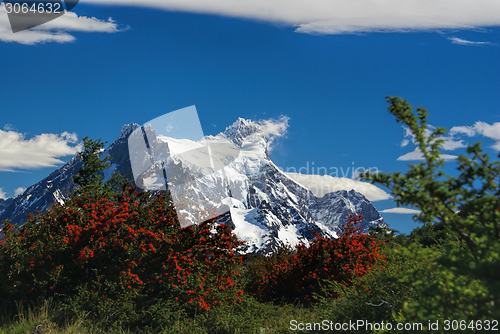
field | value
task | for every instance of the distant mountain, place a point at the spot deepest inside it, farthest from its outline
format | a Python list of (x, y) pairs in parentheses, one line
[(59, 185), (4, 204), (267, 208)]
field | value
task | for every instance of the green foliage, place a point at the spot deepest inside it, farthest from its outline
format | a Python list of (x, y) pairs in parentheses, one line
[(467, 208), (90, 176), (433, 234), (375, 297)]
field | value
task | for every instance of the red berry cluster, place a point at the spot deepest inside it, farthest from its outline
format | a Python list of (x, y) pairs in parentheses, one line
[(303, 274), (129, 245)]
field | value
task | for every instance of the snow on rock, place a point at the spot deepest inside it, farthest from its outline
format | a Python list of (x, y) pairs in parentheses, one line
[(59, 198), (266, 207)]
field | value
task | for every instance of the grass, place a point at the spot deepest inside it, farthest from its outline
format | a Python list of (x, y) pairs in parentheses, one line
[(37, 320), (250, 317)]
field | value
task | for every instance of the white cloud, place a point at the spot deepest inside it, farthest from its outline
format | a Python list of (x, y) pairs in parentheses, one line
[(452, 140), (450, 143), (409, 136), (412, 156), (356, 171), (491, 131), (312, 17), (55, 30), (417, 155), (273, 129), (19, 191), (401, 210), (2, 194), (460, 41), (340, 16), (43, 150), (466, 130), (324, 184)]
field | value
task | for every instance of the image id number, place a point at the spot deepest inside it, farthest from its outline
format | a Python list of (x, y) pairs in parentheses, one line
[(477, 325), (40, 8)]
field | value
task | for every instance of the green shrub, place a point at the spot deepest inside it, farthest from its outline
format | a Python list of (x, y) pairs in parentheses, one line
[(465, 283)]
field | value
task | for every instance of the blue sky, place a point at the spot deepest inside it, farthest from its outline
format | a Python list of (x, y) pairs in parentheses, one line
[(320, 70)]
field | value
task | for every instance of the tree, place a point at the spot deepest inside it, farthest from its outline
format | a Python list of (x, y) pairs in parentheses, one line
[(89, 177), (466, 284)]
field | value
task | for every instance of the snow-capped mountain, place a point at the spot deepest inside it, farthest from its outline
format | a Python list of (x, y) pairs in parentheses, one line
[(265, 206)]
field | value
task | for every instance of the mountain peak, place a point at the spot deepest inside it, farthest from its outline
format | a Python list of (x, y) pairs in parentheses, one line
[(127, 129), (266, 207), (241, 129)]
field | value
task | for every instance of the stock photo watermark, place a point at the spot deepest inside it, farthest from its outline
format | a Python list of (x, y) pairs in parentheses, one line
[(26, 14), (171, 153), (323, 180), (364, 326), (351, 172)]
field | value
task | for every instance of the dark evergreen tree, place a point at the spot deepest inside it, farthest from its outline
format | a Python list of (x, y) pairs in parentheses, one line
[(90, 177)]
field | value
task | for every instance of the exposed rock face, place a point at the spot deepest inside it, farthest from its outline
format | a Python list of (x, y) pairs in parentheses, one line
[(40, 196), (266, 207)]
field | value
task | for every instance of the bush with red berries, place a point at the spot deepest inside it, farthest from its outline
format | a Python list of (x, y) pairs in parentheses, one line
[(304, 274), (129, 246)]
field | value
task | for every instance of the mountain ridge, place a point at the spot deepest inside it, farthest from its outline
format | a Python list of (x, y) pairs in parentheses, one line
[(266, 207)]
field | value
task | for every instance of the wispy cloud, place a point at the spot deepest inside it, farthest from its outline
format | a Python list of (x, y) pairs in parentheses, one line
[(491, 131), (450, 143), (17, 152), (324, 184), (340, 16), (401, 211), (318, 17), (273, 129), (461, 41), (19, 191), (55, 30), (2, 194), (479, 128), (417, 155), (452, 140)]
